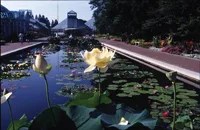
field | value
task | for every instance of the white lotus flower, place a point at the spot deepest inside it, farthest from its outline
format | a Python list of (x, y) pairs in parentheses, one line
[(5, 96), (41, 65), (123, 121)]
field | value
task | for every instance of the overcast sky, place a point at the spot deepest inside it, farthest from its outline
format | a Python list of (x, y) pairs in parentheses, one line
[(49, 8)]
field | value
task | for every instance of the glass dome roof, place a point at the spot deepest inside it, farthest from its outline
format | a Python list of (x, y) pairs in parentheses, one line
[(5, 13), (4, 9)]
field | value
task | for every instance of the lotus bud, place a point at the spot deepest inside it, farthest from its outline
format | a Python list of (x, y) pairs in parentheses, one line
[(41, 65), (171, 76)]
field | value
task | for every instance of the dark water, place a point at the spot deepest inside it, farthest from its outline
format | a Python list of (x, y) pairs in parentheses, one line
[(29, 92)]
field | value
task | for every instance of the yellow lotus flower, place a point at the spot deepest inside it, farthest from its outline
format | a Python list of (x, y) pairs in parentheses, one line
[(5, 96), (97, 58), (41, 65)]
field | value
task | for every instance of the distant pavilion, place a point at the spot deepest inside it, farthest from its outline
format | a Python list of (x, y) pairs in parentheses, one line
[(72, 25)]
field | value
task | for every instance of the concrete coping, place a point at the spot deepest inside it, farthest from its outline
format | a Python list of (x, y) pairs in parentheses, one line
[(19, 49), (188, 73)]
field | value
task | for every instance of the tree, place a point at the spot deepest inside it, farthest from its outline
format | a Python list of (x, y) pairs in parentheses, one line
[(147, 18), (54, 23)]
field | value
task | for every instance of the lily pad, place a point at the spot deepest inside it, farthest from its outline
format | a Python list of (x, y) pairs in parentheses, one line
[(101, 80), (112, 87), (124, 95), (119, 81)]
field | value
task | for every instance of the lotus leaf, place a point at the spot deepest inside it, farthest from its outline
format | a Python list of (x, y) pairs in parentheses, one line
[(131, 116), (104, 75), (146, 86), (181, 96), (183, 121), (84, 118), (52, 118), (91, 100), (123, 95), (119, 81), (101, 80), (112, 87), (131, 84), (134, 93), (22, 122)]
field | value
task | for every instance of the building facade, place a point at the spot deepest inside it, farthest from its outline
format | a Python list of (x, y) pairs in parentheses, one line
[(72, 25), (13, 23), (22, 21)]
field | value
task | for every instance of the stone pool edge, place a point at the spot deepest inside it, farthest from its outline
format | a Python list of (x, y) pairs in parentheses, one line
[(185, 75), (20, 49)]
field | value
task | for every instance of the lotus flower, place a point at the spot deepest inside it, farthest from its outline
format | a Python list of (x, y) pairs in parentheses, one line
[(97, 58), (165, 114), (123, 121), (5, 96), (41, 65), (171, 76)]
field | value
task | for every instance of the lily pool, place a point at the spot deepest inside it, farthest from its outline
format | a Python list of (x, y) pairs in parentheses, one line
[(126, 82)]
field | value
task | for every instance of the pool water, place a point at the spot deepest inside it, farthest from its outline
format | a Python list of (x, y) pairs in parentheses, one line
[(67, 72)]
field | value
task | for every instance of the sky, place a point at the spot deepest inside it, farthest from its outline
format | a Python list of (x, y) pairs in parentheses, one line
[(49, 8)]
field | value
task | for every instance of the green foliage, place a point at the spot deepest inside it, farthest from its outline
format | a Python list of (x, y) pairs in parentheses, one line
[(131, 116), (51, 47), (112, 87), (13, 75), (162, 101), (90, 99), (52, 119), (184, 121), (84, 118), (156, 41), (15, 69), (22, 122), (147, 18), (53, 40)]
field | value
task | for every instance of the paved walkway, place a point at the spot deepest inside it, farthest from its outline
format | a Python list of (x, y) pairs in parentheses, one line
[(17, 46), (183, 65)]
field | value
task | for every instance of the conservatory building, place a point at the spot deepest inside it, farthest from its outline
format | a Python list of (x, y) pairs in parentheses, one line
[(72, 25)]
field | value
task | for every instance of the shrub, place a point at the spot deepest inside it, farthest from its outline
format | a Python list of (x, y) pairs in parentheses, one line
[(139, 42), (172, 49), (189, 46), (156, 41), (54, 40)]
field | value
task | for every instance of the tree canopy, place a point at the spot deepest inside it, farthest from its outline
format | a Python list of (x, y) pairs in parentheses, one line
[(148, 18)]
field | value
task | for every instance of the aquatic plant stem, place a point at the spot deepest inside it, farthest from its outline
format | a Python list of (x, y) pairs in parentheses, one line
[(47, 91), (99, 86), (174, 106), (47, 96), (11, 116)]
